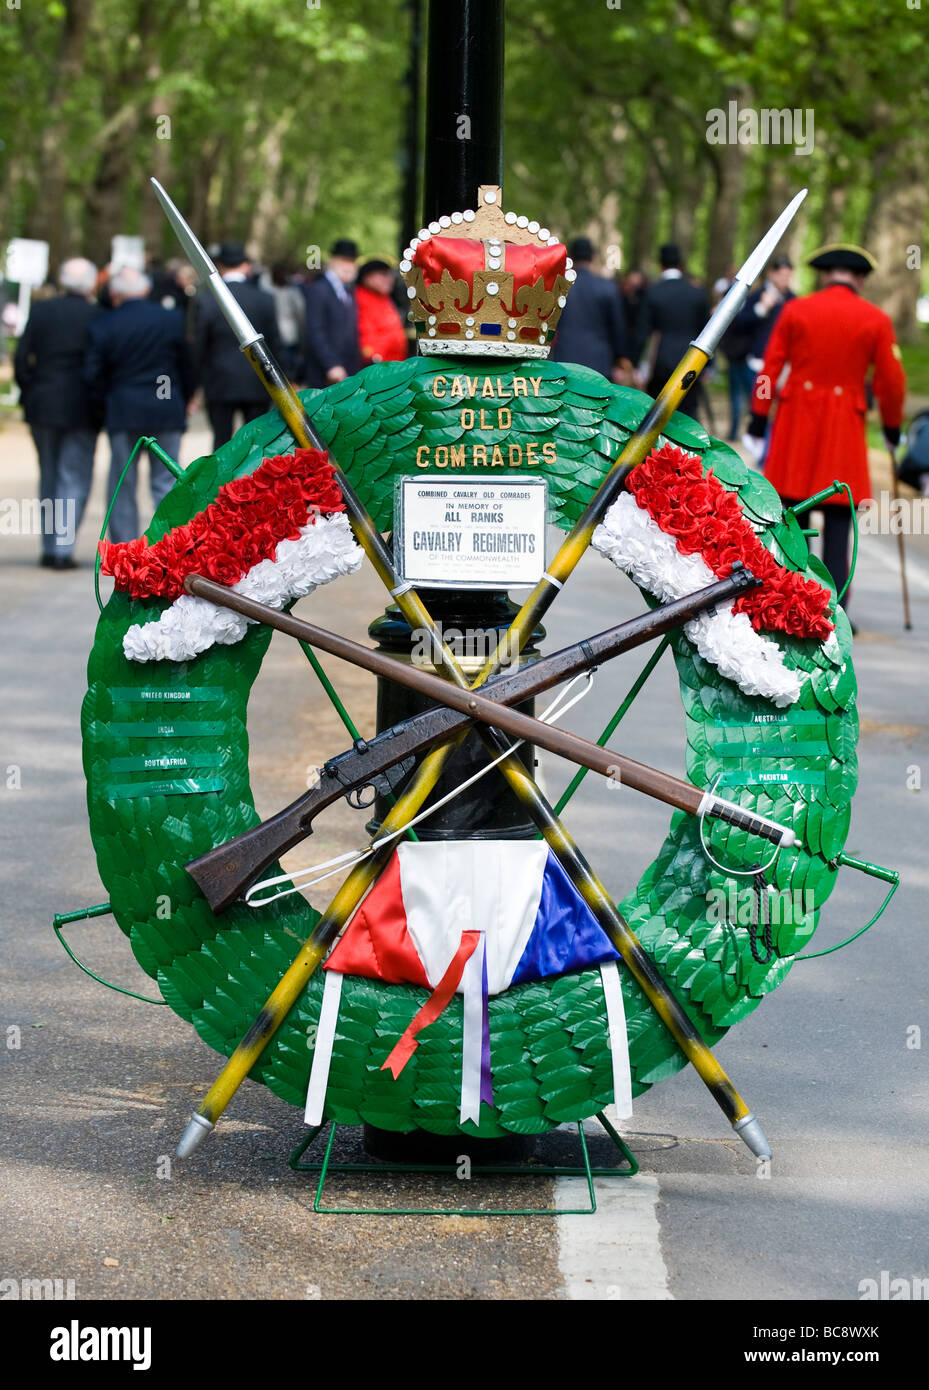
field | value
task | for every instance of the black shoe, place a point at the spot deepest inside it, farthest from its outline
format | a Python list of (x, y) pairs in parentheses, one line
[(47, 562), (65, 562)]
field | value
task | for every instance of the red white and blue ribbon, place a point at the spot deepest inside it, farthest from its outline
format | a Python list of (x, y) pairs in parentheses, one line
[(472, 917)]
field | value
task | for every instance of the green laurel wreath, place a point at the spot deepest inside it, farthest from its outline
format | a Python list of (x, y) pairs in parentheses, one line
[(549, 1045)]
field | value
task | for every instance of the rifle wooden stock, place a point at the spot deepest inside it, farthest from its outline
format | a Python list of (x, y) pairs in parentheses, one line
[(224, 873)]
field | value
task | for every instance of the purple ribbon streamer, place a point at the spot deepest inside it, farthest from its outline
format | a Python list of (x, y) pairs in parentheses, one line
[(487, 1090)]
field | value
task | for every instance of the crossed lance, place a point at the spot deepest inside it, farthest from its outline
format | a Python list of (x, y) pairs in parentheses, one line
[(224, 873)]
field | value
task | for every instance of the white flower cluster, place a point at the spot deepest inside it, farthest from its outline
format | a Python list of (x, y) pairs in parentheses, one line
[(636, 544), (324, 550)]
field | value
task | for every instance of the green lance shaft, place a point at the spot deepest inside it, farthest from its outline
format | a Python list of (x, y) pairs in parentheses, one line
[(525, 788)]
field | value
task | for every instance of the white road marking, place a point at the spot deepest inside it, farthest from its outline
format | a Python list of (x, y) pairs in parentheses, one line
[(615, 1253)]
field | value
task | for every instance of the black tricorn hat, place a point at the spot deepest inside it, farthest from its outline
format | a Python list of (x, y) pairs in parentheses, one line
[(230, 253), (843, 256), (347, 249)]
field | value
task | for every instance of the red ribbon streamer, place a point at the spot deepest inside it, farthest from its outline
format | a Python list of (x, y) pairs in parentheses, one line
[(434, 1005)]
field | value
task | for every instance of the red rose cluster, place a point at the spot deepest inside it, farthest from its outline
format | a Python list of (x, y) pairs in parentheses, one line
[(704, 518), (243, 526)]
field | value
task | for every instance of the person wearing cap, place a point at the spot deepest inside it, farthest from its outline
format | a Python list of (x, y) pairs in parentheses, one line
[(592, 328), (230, 386), (332, 350), (380, 328), (676, 312), (829, 340)]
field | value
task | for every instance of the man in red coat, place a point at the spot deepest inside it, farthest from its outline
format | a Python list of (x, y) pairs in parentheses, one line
[(380, 327), (829, 340)]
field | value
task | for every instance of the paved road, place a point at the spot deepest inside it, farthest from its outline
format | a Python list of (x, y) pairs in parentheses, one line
[(99, 1085)]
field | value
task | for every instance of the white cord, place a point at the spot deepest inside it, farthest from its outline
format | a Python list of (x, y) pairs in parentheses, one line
[(727, 872), (556, 710)]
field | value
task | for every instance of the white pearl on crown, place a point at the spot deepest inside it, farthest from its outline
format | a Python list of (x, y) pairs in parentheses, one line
[(570, 276), (490, 196), (423, 234), (456, 218), (432, 318), (511, 336), (469, 333), (468, 215), (511, 323), (533, 226), (545, 234), (510, 217), (493, 287), (561, 301), (434, 227), (522, 221), (445, 221), (406, 265), (469, 323), (411, 293)]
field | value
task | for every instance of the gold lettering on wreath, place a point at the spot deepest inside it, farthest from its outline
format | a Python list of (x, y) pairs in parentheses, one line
[(480, 417)]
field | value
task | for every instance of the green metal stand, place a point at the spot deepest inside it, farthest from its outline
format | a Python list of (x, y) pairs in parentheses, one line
[(521, 1170)]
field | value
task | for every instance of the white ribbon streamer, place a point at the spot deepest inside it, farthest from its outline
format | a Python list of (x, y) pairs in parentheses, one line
[(619, 1043), (322, 1051)]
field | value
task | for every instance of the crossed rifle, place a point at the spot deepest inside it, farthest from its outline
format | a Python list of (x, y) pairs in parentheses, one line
[(489, 710)]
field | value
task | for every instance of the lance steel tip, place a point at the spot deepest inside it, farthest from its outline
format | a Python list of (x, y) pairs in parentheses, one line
[(745, 276), (232, 311), (749, 1130), (195, 1132)]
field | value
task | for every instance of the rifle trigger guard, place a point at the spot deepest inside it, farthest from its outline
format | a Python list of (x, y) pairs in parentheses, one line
[(381, 784)]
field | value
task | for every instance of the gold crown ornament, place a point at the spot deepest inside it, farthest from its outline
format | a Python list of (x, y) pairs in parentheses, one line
[(486, 283)]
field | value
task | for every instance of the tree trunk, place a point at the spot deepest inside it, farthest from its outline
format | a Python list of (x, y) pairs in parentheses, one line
[(645, 221), (48, 222), (894, 232), (728, 163)]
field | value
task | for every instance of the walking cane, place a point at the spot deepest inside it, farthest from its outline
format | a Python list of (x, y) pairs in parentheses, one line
[(907, 624)]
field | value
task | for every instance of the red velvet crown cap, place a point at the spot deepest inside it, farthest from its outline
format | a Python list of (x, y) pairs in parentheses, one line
[(462, 258)]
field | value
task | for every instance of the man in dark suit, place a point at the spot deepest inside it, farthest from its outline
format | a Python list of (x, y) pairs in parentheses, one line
[(592, 327), (676, 311), (138, 368), (228, 380), (49, 367), (332, 347)]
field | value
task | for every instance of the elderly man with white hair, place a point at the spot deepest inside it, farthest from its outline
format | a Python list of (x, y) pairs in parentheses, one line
[(49, 367), (139, 370)]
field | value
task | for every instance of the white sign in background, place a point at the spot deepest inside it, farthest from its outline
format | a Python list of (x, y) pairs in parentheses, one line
[(127, 252), (26, 262), (25, 265), (471, 534)]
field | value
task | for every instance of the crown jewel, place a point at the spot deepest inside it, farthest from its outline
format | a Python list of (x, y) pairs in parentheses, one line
[(486, 283)]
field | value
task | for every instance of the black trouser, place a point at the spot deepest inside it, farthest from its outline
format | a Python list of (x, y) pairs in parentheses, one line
[(221, 415), (836, 523)]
